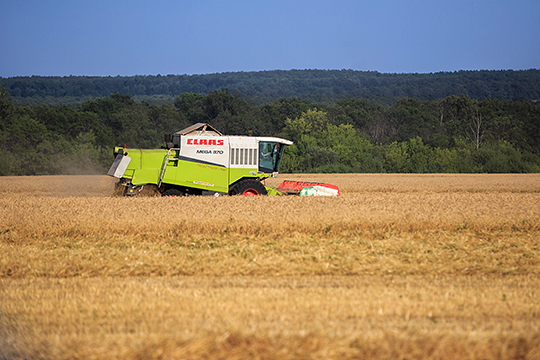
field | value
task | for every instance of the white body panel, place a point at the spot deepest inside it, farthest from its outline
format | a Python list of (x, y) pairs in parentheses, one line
[(119, 166), (243, 152), (212, 150)]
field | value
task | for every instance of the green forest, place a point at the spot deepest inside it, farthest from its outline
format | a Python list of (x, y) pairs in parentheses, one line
[(262, 87), (452, 134)]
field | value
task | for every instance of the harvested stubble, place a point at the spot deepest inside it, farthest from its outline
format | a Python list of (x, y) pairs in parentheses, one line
[(361, 183), (410, 272)]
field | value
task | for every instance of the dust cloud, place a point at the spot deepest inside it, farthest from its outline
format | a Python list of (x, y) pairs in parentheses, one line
[(59, 185)]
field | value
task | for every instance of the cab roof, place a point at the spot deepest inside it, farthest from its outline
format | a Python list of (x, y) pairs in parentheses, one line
[(200, 129), (204, 129)]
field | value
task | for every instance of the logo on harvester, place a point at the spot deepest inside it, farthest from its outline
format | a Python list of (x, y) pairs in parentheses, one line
[(209, 152), (205, 142)]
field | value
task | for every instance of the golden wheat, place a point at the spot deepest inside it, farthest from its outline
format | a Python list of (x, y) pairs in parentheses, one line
[(254, 317), (432, 266)]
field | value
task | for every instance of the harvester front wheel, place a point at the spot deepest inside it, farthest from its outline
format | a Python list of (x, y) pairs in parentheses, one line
[(248, 187)]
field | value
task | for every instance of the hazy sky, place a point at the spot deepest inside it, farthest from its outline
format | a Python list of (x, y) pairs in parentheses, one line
[(77, 37)]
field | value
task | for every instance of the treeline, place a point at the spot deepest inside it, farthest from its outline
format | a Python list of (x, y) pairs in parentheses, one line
[(321, 86), (454, 134)]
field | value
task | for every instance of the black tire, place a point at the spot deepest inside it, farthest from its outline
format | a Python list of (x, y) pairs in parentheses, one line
[(172, 192), (248, 187)]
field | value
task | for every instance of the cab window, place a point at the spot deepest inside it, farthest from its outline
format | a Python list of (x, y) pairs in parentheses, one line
[(269, 154)]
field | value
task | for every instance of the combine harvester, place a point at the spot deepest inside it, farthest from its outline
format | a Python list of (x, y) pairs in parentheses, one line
[(199, 160)]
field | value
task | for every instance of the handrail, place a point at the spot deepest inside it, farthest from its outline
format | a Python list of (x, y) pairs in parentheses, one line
[(164, 165)]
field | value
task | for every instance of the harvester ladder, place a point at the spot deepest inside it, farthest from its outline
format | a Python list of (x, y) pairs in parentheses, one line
[(165, 162)]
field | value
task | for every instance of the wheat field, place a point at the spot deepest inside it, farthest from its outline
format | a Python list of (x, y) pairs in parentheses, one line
[(398, 267)]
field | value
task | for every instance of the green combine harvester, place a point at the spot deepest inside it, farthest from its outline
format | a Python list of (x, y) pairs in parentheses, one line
[(199, 160)]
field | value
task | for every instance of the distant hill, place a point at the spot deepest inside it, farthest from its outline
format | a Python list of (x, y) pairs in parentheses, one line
[(324, 86)]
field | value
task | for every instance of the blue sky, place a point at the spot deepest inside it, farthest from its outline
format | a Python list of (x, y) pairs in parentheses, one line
[(101, 38)]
